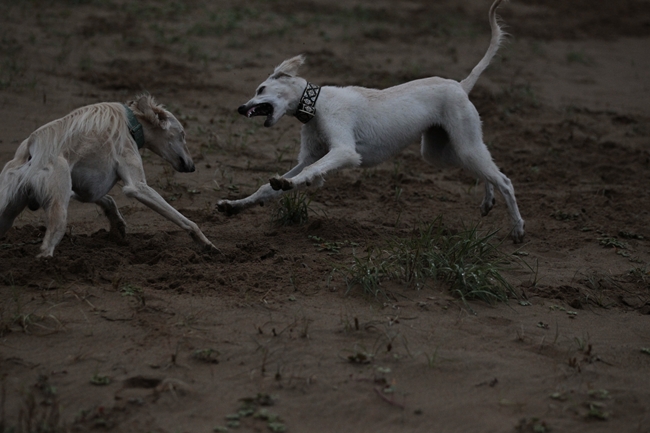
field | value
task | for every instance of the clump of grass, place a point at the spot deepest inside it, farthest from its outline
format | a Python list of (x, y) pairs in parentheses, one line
[(100, 380), (467, 261), (208, 356), (40, 410), (367, 272), (291, 210), (133, 292)]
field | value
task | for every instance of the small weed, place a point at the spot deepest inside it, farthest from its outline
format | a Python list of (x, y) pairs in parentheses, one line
[(560, 396), (255, 410), (292, 209), (640, 274), (612, 243), (582, 343), (134, 292), (565, 216), (598, 286), (360, 358), (100, 380), (432, 359), (277, 427), (39, 412), (534, 425), (597, 411), (600, 394), (534, 271), (331, 247), (366, 272), (208, 356)]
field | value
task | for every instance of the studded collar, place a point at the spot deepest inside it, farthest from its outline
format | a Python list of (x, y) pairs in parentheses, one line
[(307, 105)]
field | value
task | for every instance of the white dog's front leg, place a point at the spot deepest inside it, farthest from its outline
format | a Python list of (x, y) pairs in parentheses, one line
[(336, 158), (261, 196), (149, 197)]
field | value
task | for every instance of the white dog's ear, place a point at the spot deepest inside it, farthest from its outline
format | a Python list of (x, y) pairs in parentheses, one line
[(289, 68), (152, 112)]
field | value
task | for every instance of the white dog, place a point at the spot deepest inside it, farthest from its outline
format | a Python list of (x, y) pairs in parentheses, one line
[(355, 126), (83, 155)]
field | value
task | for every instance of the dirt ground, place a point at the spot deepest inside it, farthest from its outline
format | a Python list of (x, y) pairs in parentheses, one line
[(152, 334)]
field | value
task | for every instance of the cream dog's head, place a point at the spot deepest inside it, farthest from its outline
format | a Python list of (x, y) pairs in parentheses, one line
[(164, 135)]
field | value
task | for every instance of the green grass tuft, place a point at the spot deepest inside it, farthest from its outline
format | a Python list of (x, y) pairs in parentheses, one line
[(291, 210), (467, 262)]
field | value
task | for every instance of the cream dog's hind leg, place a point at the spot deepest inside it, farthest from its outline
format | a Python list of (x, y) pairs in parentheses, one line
[(118, 226), (53, 187)]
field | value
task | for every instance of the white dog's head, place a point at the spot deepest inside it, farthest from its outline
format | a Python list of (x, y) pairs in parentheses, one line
[(279, 94), (163, 133)]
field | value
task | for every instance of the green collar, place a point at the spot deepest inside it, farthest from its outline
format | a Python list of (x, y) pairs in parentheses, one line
[(135, 128)]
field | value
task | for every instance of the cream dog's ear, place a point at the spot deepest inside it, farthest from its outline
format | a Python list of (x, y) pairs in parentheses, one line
[(289, 68), (152, 112)]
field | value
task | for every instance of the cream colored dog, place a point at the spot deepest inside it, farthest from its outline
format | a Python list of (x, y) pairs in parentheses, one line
[(360, 127), (83, 155)]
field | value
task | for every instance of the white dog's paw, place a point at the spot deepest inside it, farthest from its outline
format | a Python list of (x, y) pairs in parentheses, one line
[(487, 206), (280, 183), (518, 232), (227, 207)]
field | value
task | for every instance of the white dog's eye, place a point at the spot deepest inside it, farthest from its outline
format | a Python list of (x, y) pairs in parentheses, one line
[(260, 90)]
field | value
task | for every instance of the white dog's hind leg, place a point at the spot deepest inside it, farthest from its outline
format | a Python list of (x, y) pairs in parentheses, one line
[(488, 199), (481, 165), (460, 143), (118, 226), (508, 192)]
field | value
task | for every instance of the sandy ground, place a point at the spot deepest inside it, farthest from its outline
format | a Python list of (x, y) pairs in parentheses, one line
[(152, 334)]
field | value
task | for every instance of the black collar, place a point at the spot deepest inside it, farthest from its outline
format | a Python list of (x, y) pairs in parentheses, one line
[(307, 105), (135, 127)]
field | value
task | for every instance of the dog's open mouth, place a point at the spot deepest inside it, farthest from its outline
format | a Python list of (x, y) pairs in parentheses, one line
[(264, 109)]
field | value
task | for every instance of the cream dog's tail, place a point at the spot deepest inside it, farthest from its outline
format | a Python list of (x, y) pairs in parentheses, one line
[(497, 36)]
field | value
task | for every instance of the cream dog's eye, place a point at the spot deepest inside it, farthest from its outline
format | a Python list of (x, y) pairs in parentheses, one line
[(260, 90)]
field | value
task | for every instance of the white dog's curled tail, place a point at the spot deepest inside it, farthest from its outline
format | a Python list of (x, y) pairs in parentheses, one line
[(497, 36)]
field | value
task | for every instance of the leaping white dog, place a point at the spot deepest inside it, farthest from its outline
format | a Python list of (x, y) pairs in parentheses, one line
[(83, 155), (356, 126)]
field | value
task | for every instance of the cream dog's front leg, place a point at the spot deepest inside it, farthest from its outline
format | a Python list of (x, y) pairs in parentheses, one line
[(136, 187)]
